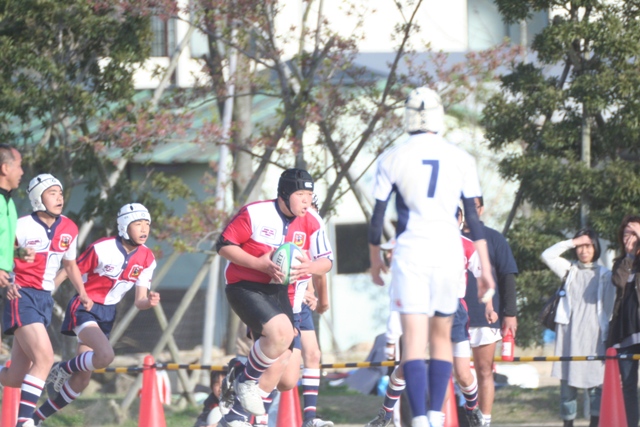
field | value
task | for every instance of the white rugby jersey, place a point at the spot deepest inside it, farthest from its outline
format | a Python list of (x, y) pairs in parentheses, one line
[(51, 245), (429, 176), (109, 271)]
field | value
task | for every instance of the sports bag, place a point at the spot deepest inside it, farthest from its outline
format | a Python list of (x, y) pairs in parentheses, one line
[(547, 315)]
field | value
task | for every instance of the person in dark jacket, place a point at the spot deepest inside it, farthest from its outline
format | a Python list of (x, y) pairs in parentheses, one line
[(624, 330)]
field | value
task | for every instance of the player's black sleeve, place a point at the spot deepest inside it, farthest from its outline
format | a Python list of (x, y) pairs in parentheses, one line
[(222, 242), (377, 222), (476, 231), (507, 290)]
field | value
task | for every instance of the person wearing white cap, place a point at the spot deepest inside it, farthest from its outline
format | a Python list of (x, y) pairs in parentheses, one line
[(49, 239), (429, 176), (111, 266)]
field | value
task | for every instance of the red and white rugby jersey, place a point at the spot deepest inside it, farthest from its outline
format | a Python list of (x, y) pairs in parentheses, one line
[(471, 263), (260, 227), (51, 244), (109, 272)]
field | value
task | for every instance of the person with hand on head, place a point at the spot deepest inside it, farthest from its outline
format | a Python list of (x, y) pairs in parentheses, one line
[(429, 176), (255, 290), (10, 175), (485, 332), (110, 267), (52, 238), (582, 321), (624, 328)]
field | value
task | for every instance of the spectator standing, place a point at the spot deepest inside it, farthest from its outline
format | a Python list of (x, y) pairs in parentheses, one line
[(582, 321), (624, 329)]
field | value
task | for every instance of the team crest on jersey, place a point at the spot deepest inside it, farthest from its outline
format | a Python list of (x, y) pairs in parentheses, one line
[(267, 232), (135, 272), (299, 238), (65, 241)]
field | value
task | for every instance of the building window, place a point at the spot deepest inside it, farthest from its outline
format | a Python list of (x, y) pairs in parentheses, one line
[(487, 29), (164, 36)]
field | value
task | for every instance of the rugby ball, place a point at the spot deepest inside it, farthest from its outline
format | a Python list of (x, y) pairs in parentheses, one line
[(285, 257)]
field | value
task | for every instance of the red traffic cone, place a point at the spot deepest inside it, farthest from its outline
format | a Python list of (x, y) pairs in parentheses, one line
[(451, 408), (289, 409), (10, 403), (151, 410), (612, 412)]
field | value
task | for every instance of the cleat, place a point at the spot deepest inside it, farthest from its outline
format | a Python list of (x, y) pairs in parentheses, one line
[(380, 420), (227, 393), (317, 422), (56, 379), (474, 417), (248, 395), (29, 423)]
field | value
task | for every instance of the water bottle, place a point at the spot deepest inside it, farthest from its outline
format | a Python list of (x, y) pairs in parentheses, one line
[(508, 347)]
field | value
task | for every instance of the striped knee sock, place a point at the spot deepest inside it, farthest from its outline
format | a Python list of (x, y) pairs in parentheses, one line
[(50, 407), (310, 387), (256, 364), (29, 394), (470, 394), (394, 391), (82, 362)]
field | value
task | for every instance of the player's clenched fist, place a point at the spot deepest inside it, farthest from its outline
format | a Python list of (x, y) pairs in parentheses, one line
[(154, 298)]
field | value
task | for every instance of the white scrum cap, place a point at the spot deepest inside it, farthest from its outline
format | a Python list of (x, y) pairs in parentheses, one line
[(424, 111), (129, 213), (39, 185)]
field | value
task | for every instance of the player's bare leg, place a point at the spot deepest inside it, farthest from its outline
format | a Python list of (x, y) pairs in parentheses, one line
[(483, 363), (277, 335), (468, 386), (31, 353), (72, 385), (311, 355), (273, 344), (32, 357)]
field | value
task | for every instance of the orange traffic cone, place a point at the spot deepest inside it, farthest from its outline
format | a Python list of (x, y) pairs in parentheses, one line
[(10, 403), (451, 408), (151, 410), (289, 409), (612, 412)]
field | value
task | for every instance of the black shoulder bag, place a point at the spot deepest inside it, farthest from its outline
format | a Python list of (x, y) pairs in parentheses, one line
[(547, 315)]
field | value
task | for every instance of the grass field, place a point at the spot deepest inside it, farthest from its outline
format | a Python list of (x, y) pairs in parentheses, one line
[(513, 405)]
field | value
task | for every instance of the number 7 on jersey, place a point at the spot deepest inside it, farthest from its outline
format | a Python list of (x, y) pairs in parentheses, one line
[(435, 166)]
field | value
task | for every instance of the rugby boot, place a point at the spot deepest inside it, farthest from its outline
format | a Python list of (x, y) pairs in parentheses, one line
[(248, 394), (56, 379), (380, 420), (475, 417), (316, 422)]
